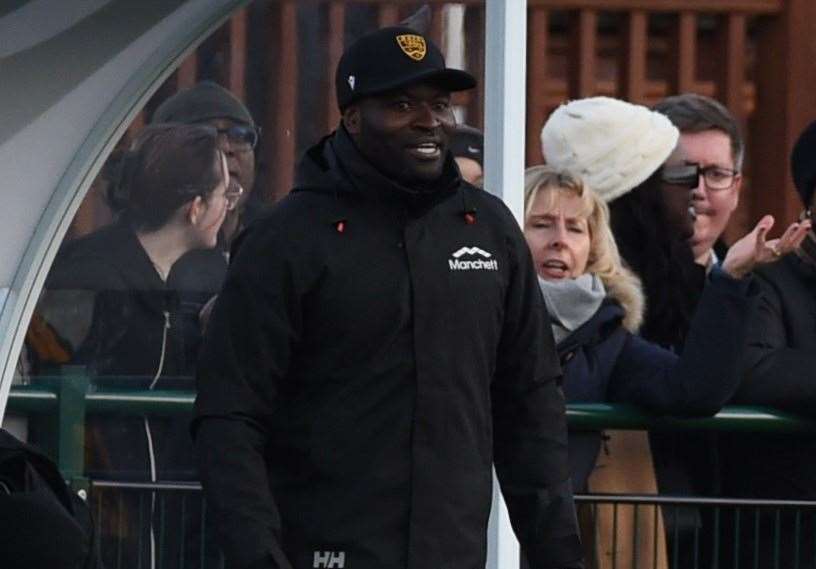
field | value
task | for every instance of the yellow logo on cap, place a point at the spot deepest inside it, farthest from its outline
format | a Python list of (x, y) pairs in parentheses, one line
[(413, 46)]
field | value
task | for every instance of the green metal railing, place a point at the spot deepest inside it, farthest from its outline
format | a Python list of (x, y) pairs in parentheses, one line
[(61, 403), (64, 401)]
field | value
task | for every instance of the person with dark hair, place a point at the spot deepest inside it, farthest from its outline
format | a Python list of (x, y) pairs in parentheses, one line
[(123, 319), (711, 139), (780, 372), (199, 274), (379, 345)]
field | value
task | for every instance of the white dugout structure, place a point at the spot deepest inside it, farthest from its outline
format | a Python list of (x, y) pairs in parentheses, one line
[(74, 74)]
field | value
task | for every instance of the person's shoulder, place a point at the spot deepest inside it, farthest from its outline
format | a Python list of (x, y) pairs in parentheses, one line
[(90, 262), (287, 226)]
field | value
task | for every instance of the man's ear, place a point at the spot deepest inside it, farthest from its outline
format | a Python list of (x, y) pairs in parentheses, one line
[(351, 119)]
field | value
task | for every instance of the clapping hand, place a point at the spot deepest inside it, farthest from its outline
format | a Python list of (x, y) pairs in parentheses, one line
[(753, 249)]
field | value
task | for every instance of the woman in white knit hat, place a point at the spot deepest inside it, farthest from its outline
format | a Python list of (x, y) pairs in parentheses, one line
[(628, 154)]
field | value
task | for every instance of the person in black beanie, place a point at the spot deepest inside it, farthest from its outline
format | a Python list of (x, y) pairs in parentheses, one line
[(379, 345), (780, 372), (467, 147)]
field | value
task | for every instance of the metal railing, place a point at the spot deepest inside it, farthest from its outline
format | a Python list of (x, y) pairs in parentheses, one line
[(65, 400), (619, 531)]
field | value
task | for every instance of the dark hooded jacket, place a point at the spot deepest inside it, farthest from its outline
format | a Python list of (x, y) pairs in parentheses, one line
[(780, 372), (373, 353)]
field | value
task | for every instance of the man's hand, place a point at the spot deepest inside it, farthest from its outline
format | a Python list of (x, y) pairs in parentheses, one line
[(753, 249)]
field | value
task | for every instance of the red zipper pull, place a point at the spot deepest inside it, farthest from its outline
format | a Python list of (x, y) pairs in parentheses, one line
[(341, 226), (470, 217)]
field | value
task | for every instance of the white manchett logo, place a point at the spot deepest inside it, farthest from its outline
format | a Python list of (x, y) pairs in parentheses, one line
[(485, 263), (329, 560), (351, 81)]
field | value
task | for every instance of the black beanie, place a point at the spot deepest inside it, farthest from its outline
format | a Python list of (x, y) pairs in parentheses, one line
[(204, 101), (803, 164), (468, 142)]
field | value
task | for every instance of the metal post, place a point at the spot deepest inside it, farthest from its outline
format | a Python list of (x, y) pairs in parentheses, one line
[(70, 436), (505, 76), (505, 80)]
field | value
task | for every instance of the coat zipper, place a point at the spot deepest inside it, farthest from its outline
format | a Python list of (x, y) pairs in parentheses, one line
[(151, 456)]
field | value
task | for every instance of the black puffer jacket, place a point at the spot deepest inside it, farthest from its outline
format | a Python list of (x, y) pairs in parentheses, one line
[(371, 356)]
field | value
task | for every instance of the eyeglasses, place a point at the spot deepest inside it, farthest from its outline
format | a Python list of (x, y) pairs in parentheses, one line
[(233, 194), (240, 136), (688, 176)]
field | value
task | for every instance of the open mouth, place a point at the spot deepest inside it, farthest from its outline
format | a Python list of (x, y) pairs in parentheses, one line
[(426, 151), (555, 269)]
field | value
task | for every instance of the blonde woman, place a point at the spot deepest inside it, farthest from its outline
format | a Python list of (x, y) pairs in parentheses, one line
[(596, 305)]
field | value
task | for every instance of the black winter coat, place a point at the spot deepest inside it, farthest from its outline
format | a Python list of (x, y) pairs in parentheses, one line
[(136, 333), (604, 362), (780, 372), (371, 356)]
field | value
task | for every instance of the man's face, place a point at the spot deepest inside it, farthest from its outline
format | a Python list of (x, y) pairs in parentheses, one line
[(240, 157), (405, 133), (710, 149)]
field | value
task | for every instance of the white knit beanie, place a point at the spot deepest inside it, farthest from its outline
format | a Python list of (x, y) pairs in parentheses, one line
[(612, 145)]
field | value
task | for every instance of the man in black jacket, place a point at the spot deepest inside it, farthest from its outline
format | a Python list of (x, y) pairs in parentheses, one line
[(380, 343)]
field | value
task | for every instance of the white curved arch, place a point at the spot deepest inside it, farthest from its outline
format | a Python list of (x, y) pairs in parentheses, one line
[(65, 102)]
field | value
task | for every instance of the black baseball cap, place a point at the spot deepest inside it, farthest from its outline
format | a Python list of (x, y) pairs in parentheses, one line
[(391, 58)]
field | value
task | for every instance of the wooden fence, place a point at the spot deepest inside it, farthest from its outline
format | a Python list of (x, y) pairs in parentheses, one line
[(756, 56)]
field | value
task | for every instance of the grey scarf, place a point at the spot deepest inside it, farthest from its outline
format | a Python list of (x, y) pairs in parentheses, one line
[(571, 302)]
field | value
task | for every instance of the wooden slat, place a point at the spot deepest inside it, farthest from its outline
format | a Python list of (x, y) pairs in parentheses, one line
[(537, 39), (785, 75), (632, 58), (583, 41), (236, 81), (281, 119), (682, 55), (187, 73), (731, 76), (437, 21), (709, 6), (475, 56), (336, 30), (388, 15)]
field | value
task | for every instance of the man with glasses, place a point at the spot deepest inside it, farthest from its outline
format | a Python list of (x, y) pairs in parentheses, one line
[(209, 103), (713, 151)]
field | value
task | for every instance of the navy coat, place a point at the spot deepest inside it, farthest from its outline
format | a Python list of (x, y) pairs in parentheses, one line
[(603, 362)]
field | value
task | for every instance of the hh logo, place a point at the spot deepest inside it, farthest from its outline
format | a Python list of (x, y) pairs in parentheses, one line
[(413, 46), (473, 262), (329, 560)]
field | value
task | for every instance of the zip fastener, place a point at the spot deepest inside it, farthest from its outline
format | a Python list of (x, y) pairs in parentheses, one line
[(163, 349), (151, 456)]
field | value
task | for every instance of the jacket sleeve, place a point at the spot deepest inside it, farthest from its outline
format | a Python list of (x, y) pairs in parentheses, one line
[(245, 355), (706, 374), (529, 425), (775, 373)]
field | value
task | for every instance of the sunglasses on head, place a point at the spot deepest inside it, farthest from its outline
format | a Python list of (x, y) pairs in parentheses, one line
[(684, 176)]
